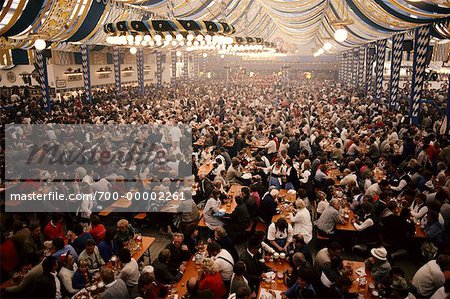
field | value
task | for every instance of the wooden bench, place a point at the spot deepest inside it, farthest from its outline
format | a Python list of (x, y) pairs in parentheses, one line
[(140, 216), (106, 211)]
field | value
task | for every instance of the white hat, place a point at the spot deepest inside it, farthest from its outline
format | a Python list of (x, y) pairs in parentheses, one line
[(379, 253), (274, 192), (147, 269)]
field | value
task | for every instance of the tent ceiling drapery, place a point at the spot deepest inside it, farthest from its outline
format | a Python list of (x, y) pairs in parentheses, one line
[(296, 22)]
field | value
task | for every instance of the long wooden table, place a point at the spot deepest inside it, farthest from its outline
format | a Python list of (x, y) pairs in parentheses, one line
[(355, 265), (145, 249), (190, 271), (275, 284), (205, 168), (349, 227)]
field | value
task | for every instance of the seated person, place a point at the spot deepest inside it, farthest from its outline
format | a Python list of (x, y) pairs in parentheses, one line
[(341, 288), (323, 258), (210, 279), (303, 288), (108, 246), (238, 279), (98, 230), (161, 268), (92, 255), (150, 288), (60, 249), (179, 252), (65, 275), (54, 228), (326, 224), (82, 277), (193, 291), (378, 265), (299, 245), (125, 232), (130, 270), (255, 268), (114, 288), (238, 221), (297, 263), (191, 237), (78, 238), (280, 235)]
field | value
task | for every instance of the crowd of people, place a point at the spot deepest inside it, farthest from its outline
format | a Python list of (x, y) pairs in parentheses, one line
[(333, 147)]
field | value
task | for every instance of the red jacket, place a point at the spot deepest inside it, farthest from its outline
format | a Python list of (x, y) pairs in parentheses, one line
[(51, 231), (98, 232), (214, 283)]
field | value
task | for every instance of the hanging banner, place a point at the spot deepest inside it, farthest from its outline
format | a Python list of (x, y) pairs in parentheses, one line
[(186, 66), (86, 71), (361, 60), (370, 55), (396, 63), (117, 72), (140, 70), (173, 64), (381, 54), (421, 41), (159, 69), (42, 78)]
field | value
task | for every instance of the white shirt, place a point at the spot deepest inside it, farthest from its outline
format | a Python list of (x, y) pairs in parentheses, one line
[(428, 278), (175, 133), (271, 147), (273, 233), (321, 206), (302, 224), (348, 179), (366, 224), (130, 273), (58, 286), (225, 264)]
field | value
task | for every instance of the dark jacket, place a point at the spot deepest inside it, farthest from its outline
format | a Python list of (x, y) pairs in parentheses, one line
[(163, 274), (239, 219), (45, 287), (177, 256), (254, 269)]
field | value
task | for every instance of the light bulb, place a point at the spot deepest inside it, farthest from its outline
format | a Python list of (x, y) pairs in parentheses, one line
[(158, 38), (208, 38), (40, 44), (169, 38), (222, 56), (159, 43), (327, 46), (205, 55), (147, 38), (199, 37), (123, 40), (182, 43), (202, 43), (174, 43), (151, 43), (130, 42), (178, 53), (340, 35), (320, 51), (166, 43), (179, 37), (130, 38), (190, 37), (189, 43), (138, 38), (133, 50), (196, 43)]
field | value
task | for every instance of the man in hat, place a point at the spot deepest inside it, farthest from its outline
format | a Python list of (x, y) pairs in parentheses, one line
[(378, 265)]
